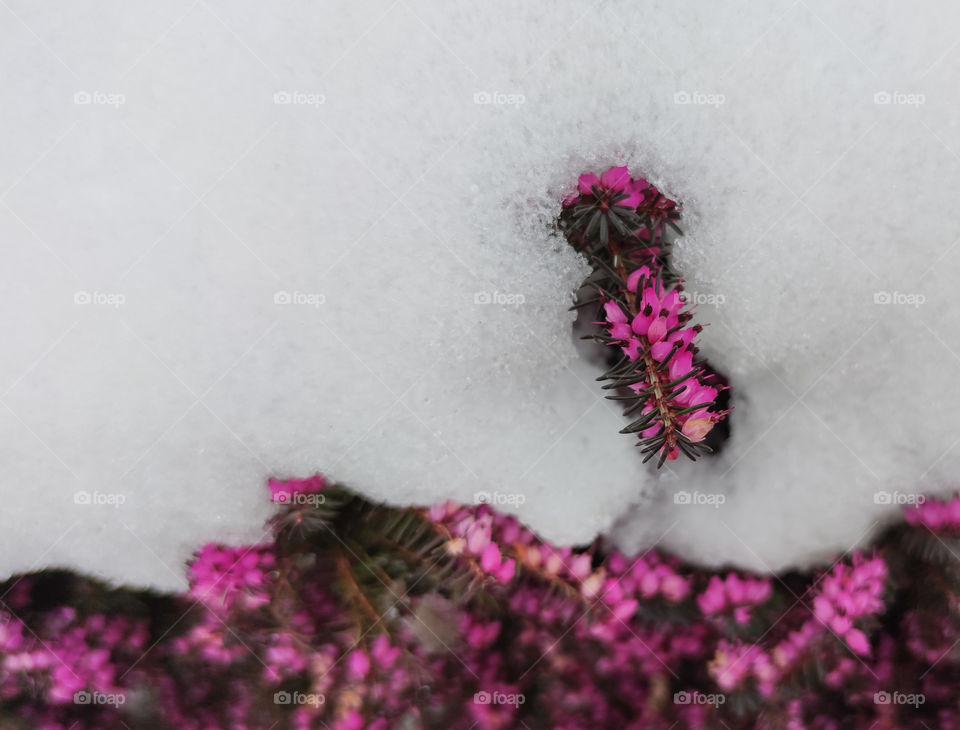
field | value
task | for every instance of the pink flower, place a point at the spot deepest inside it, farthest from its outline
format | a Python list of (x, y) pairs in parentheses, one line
[(358, 664), (478, 538), (580, 566), (490, 559), (624, 610), (734, 663), (615, 181), (506, 571), (848, 593), (674, 587), (603, 205), (283, 490), (857, 641), (658, 329), (617, 321), (638, 275), (935, 514)]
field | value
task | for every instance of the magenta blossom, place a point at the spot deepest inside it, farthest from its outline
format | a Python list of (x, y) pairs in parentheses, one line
[(283, 490), (936, 515), (657, 339), (848, 593), (605, 205), (735, 595), (615, 183)]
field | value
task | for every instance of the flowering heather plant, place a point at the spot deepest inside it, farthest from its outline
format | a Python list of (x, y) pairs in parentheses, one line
[(619, 223), (358, 615)]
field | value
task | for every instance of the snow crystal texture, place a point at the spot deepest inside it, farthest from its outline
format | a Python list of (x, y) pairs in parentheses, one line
[(244, 240)]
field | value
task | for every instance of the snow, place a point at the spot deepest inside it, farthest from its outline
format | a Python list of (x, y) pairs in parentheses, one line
[(295, 238)]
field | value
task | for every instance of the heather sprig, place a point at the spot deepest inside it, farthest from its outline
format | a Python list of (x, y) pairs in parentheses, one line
[(619, 224)]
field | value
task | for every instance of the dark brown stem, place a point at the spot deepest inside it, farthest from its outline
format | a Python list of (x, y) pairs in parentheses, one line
[(354, 589)]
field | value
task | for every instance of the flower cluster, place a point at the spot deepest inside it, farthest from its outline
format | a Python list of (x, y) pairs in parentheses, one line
[(57, 662), (361, 616), (735, 664), (848, 593), (471, 535), (286, 490), (616, 202), (618, 222), (734, 595), (221, 576), (936, 515)]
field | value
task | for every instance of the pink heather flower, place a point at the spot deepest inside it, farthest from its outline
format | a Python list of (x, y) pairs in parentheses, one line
[(478, 537), (615, 181), (857, 641), (490, 559), (658, 329), (553, 563), (358, 664), (624, 610), (636, 276), (506, 571), (383, 653), (440, 512), (650, 577), (580, 566), (850, 592), (593, 584), (604, 205), (796, 643), (480, 634), (658, 205), (734, 594), (221, 575), (935, 514), (733, 664), (660, 209), (617, 322), (282, 490), (674, 587)]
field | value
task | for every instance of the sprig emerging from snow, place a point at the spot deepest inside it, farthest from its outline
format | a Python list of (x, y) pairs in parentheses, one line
[(618, 223)]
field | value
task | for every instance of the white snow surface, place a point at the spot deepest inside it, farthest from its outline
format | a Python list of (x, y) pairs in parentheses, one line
[(153, 237)]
